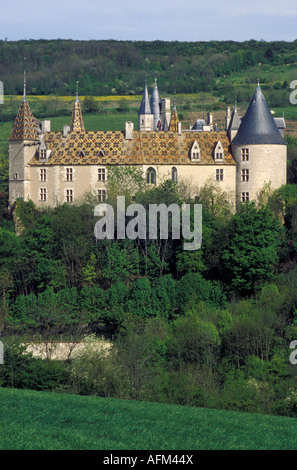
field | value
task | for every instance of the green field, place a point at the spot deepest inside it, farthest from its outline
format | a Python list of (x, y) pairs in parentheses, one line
[(50, 421)]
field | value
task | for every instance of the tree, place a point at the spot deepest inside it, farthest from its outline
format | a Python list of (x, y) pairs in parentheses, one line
[(141, 351), (252, 254)]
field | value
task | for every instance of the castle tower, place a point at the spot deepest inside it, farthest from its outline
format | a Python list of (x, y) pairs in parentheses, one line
[(77, 122), (23, 141), (259, 150), (145, 115)]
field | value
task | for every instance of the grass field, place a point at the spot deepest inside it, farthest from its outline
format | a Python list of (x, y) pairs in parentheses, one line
[(50, 421)]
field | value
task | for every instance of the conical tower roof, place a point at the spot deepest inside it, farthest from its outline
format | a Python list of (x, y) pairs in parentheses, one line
[(145, 107), (25, 126), (235, 120), (258, 125), (155, 100), (77, 122)]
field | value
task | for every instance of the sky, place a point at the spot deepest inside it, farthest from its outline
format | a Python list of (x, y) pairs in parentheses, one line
[(166, 20)]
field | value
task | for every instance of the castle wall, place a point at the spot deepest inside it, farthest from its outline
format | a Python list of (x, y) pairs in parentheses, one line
[(266, 163), (85, 180), (20, 153)]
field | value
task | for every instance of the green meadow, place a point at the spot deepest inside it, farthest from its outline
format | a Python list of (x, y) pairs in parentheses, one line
[(51, 421)]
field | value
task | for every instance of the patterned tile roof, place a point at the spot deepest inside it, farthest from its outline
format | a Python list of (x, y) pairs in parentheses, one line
[(77, 122), (145, 148), (173, 121), (25, 126)]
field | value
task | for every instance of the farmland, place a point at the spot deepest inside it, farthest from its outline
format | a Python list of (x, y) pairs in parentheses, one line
[(51, 421)]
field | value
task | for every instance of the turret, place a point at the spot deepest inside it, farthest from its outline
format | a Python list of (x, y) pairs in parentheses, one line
[(259, 150), (23, 143), (234, 124), (145, 115), (156, 104)]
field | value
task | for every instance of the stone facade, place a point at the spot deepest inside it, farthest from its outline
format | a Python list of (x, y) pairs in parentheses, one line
[(51, 168)]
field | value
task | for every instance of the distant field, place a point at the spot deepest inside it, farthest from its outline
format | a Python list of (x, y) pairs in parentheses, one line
[(50, 421)]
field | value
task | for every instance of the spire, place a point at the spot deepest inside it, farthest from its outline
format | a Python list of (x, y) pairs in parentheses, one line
[(156, 105), (258, 125), (25, 83), (174, 117), (25, 126), (145, 107), (235, 120), (76, 96), (77, 122), (24, 94)]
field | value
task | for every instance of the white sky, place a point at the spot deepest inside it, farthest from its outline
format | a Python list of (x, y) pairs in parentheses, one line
[(168, 20)]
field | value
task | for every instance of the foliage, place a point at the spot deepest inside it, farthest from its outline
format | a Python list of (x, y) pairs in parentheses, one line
[(252, 252)]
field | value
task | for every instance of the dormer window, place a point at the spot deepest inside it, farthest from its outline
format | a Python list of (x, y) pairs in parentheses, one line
[(81, 154), (219, 151), (42, 154), (195, 152), (42, 151)]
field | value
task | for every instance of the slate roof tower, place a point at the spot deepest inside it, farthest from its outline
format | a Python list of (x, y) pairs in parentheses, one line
[(145, 115), (156, 104), (259, 150), (258, 125)]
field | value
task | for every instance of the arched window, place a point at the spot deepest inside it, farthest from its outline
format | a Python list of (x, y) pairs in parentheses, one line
[(174, 174), (151, 176)]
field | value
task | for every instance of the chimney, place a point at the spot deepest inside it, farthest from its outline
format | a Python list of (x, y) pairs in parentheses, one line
[(179, 128), (129, 130), (228, 117), (66, 129), (45, 126), (210, 119)]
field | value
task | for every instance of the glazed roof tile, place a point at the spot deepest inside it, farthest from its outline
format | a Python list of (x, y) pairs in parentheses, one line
[(111, 147), (25, 126)]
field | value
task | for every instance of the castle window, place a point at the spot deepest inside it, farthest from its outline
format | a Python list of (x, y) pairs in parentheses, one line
[(195, 151), (69, 195), (174, 174), (151, 176), (219, 175), (42, 154), (245, 175), (15, 176), (101, 195), (101, 174), (219, 151), (43, 174), (43, 194), (245, 197), (69, 174), (245, 156)]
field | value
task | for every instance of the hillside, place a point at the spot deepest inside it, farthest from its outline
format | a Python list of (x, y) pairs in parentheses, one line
[(50, 421), (228, 69)]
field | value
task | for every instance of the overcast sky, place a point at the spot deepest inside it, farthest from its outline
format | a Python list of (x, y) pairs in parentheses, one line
[(168, 20)]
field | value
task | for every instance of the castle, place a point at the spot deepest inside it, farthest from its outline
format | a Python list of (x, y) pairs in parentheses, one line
[(51, 168)]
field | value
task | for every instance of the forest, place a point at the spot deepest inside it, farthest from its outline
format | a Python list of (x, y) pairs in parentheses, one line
[(209, 328), (120, 67)]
